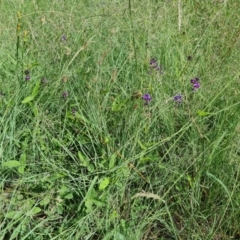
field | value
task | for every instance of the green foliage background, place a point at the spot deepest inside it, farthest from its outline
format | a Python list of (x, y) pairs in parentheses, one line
[(82, 156)]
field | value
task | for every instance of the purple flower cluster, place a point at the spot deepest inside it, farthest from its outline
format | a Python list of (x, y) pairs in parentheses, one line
[(178, 98), (147, 98), (195, 83), (154, 66)]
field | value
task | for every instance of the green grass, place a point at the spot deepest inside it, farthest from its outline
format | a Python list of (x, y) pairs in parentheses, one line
[(99, 163)]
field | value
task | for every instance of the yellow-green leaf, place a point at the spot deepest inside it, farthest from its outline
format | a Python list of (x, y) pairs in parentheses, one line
[(11, 164), (112, 161), (36, 89), (28, 99), (104, 183), (13, 214), (36, 210), (202, 113)]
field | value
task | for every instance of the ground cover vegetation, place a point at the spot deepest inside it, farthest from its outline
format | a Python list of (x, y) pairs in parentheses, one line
[(119, 119)]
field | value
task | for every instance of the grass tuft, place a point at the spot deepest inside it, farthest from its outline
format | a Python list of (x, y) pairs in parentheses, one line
[(119, 120)]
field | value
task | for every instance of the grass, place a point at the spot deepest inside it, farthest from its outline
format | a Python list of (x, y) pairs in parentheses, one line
[(83, 156)]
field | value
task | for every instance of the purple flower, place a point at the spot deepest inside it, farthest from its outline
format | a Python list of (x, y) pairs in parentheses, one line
[(195, 83), (65, 95), (147, 98), (153, 63), (178, 98), (194, 80)]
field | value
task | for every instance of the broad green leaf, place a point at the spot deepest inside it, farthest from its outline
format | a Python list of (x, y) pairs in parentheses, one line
[(34, 108), (21, 169), (68, 196), (28, 205), (11, 164), (36, 210), (145, 159), (16, 231), (60, 209), (119, 236), (202, 113), (90, 168), (118, 104), (104, 183), (84, 159), (64, 192), (19, 197), (36, 89), (98, 203), (112, 161), (28, 99), (13, 214), (22, 160), (69, 115), (106, 140), (45, 201), (88, 205)]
